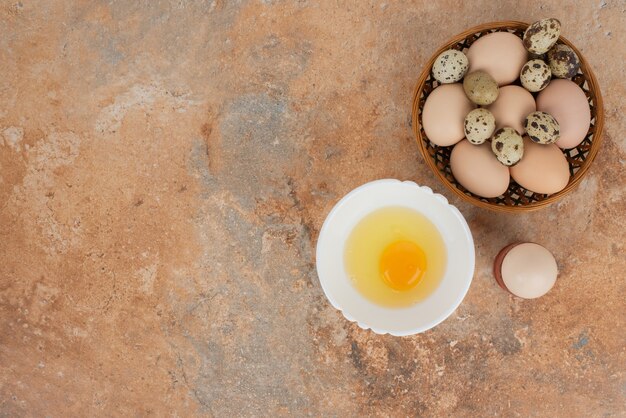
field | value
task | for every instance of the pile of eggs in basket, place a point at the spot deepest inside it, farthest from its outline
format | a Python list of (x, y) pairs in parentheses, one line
[(509, 108)]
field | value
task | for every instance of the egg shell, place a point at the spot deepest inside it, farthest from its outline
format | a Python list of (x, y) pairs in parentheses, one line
[(480, 88), (563, 61), (478, 170), (527, 270), (511, 107), (567, 103), (450, 66), (542, 128), (500, 54), (541, 35), (544, 168), (479, 125), (535, 75), (508, 146), (444, 113)]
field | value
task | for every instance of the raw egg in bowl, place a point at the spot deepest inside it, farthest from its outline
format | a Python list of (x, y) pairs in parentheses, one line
[(395, 257)]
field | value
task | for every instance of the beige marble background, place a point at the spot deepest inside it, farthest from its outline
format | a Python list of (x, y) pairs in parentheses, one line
[(165, 167)]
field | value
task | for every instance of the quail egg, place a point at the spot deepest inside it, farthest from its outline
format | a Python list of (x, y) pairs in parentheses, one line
[(479, 125), (563, 61), (480, 88), (541, 35), (535, 75), (542, 128), (508, 146), (450, 66)]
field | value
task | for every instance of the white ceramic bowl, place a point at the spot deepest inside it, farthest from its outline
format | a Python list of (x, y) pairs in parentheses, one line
[(396, 321)]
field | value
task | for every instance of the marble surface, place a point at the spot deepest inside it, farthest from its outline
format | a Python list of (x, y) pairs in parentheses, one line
[(165, 168)]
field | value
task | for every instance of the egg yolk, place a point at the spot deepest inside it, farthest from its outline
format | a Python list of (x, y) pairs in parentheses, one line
[(402, 265)]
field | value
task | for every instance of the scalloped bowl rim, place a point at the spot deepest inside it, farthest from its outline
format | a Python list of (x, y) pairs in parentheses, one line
[(421, 316)]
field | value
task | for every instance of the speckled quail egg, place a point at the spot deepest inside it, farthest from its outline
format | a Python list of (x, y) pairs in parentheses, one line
[(508, 146), (542, 128), (535, 75), (563, 61), (450, 66), (479, 125), (541, 35), (480, 88)]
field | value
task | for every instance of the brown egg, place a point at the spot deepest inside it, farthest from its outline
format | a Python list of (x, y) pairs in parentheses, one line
[(444, 114), (500, 54), (567, 103), (544, 169), (511, 107), (527, 270), (478, 170)]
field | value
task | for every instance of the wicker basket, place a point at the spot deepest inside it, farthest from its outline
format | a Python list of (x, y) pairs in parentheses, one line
[(516, 198)]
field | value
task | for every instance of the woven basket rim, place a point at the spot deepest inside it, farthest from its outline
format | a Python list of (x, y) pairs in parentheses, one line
[(594, 91)]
